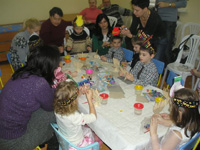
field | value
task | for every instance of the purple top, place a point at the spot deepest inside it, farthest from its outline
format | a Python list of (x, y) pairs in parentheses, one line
[(18, 100)]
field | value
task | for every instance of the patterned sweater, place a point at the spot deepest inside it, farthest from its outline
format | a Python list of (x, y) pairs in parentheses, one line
[(115, 53), (79, 42)]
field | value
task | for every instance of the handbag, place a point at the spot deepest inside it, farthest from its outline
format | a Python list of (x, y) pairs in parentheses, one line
[(177, 50)]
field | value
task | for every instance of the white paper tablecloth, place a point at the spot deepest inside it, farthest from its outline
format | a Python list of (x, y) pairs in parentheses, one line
[(116, 123)]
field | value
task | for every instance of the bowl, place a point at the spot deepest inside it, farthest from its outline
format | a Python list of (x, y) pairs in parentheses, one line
[(82, 58), (89, 71), (67, 57), (67, 60)]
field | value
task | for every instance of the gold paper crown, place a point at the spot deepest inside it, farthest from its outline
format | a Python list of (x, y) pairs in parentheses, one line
[(185, 103), (79, 21), (146, 39)]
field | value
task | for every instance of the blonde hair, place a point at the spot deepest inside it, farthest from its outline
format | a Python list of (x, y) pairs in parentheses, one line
[(64, 91), (31, 23)]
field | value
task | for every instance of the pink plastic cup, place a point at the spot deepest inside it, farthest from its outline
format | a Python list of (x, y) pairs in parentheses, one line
[(138, 108), (89, 73), (104, 98)]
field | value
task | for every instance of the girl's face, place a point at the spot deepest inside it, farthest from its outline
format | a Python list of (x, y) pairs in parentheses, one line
[(138, 12), (36, 30), (103, 24), (136, 48), (78, 30), (145, 57)]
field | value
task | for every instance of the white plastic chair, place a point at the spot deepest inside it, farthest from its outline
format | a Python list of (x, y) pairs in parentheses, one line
[(190, 28), (179, 26), (184, 69), (112, 20), (70, 30)]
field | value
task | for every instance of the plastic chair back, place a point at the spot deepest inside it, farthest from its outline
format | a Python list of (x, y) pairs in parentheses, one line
[(64, 143), (112, 20), (193, 28), (70, 30), (9, 60), (170, 79), (128, 54), (192, 143), (160, 67)]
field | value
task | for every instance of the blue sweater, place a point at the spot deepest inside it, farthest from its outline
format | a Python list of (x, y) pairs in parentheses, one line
[(18, 100)]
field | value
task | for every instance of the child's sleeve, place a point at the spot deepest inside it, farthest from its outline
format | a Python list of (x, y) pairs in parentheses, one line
[(88, 42), (109, 55), (82, 119), (170, 141), (69, 42)]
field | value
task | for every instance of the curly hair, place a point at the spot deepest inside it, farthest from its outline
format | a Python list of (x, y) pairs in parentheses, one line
[(64, 91), (190, 116)]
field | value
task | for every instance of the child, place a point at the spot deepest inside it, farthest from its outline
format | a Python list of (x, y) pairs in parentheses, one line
[(115, 51), (79, 41), (197, 74), (136, 42), (69, 120), (183, 120), (144, 72)]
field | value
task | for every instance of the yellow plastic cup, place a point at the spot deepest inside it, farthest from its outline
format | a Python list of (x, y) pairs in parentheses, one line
[(67, 57), (159, 99), (138, 89)]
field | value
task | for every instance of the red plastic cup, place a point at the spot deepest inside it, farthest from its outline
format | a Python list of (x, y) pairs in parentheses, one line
[(138, 108), (104, 98)]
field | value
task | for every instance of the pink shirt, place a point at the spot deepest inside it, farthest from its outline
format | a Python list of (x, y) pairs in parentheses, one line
[(90, 14)]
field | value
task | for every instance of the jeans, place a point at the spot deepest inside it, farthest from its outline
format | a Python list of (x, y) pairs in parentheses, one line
[(170, 34)]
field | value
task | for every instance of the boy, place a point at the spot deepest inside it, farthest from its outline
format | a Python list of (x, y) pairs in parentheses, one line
[(115, 51), (78, 41), (144, 72), (136, 42)]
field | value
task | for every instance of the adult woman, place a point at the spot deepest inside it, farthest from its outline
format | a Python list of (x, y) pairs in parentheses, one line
[(150, 23), (19, 47), (90, 14), (26, 102), (101, 38)]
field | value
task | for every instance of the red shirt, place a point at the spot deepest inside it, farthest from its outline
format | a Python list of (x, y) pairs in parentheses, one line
[(90, 14)]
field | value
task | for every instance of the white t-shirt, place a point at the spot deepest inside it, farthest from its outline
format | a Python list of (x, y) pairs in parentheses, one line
[(71, 126)]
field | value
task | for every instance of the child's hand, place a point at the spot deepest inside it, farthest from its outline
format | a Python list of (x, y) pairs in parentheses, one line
[(84, 88), (89, 95), (103, 58), (74, 74), (129, 76), (89, 48), (67, 71), (121, 74), (69, 48), (163, 119), (106, 44), (124, 64), (153, 126), (60, 64)]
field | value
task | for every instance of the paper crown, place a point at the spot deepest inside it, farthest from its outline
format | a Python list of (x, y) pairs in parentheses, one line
[(146, 39), (185, 103), (115, 31), (79, 21)]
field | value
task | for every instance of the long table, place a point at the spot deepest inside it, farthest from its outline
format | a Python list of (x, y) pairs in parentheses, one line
[(116, 123)]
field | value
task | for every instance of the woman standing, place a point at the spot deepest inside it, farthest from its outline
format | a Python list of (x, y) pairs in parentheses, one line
[(26, 102), (150, 23), (19, 47), (101, 38)]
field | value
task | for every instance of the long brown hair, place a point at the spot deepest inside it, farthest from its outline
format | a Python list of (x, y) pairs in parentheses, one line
[(190, 119), (64, 91)]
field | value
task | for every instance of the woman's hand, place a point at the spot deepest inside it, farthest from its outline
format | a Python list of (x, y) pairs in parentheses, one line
[(106, 44), (69, 48), (163, 4), (129, 76), (103, 58), (153, 126), (125, 31)]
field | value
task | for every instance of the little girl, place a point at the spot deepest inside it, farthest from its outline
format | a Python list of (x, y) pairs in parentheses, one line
[(70, 121), (183, 120)]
